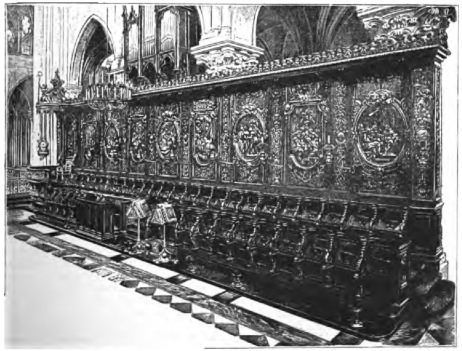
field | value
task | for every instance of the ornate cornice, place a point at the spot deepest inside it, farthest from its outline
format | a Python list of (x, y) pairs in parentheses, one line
[(407, 21)]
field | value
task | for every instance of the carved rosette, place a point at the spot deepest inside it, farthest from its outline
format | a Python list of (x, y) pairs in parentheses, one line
[(276, 134), (205, 149), (423, 100), (305, 114), (341, 134), (137, 147), (250, 138), (168, 140)]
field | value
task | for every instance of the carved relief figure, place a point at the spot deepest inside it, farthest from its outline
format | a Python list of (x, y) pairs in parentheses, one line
[(204, 139), (168, 137), (250, 138), (306, 140)]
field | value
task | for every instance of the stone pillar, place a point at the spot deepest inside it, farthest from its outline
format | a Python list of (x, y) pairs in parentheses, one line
[(228, 39)]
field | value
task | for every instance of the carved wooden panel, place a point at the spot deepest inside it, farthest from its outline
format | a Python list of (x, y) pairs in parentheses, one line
[(114, 142), (90, 138), (137, 122), (152, 112), (380, 131), (168, 140), (341, 133), (250, 136), (225, 161), (205, 139), (276, 135), (422, 132), (305, 113)]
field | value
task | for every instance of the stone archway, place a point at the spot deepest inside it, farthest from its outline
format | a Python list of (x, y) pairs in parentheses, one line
[(93, 46), (20, 104)]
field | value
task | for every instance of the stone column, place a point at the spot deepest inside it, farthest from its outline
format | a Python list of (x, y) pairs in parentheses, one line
[(228, 38)]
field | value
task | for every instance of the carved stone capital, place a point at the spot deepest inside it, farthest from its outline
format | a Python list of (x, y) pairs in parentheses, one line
[(406, 21), (226, 56)]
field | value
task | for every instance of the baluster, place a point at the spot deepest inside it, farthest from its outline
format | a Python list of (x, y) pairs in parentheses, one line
[(195, 232), (252, 243), (160, 190), (300, 253), (169, 196), (274, 245), (209, 201)]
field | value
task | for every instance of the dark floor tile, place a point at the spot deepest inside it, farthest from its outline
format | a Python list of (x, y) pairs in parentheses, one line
[(162, 298), (119, 258), (44, 247), (91, 266), (185, 307), (22, 237), (178, 279), (74, 259), (346, 339), (130, 283), (146, 290), (60, 253), (207, 318), (232, 329), (257, 340), (226, 297)]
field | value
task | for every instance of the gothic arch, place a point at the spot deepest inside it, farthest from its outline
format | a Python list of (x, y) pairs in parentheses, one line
[(84, 56), (19, 123)]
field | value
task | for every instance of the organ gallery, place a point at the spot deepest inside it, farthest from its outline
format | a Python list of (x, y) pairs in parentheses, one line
[(303, 171)]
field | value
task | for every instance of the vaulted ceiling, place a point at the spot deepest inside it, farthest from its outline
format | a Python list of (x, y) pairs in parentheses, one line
[(285, 31)]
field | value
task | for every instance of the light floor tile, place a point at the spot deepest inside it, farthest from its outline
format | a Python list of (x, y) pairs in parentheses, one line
[(202, 287), (371, 343), (41, 228), (297, 322), (160, 292), (272, 342), (151, 268), (88, 245), (247, 331), (222, 320), (199, 309)]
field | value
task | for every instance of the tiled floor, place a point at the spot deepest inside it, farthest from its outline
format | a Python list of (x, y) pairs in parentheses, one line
[(250, 321)]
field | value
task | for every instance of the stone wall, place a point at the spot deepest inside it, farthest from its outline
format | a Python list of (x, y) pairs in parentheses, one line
[(19, 68)]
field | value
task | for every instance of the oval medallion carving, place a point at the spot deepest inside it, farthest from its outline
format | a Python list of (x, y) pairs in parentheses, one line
[(250, 136), (380, 129)]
